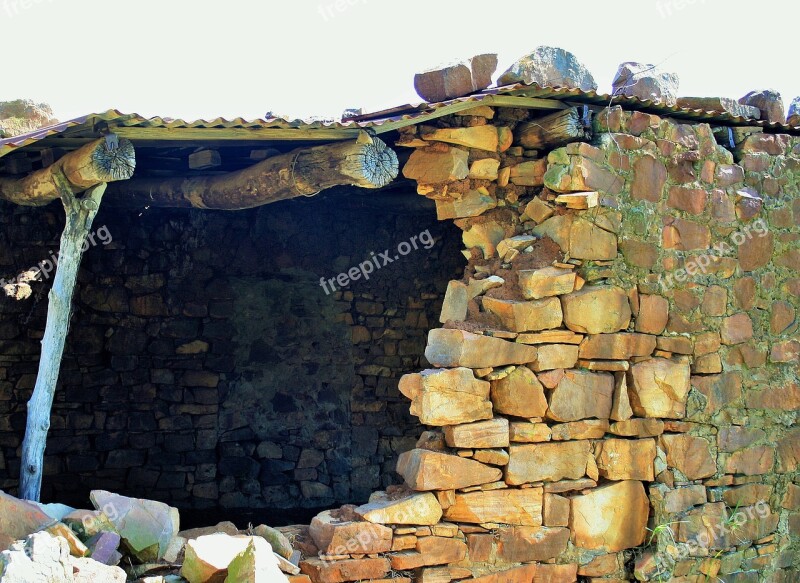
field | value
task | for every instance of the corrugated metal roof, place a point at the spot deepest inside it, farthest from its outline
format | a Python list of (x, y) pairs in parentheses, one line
[(380, 122)]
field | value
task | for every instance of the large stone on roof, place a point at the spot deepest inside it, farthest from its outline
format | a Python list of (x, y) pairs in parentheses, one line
[(720, 105), (793, 115), (646, 82), (456, 80), (769, 102), (549, 67)]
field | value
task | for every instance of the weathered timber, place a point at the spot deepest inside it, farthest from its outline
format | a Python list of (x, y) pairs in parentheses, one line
[(98, 162), (556, 129), (80, 213), (367, 162)]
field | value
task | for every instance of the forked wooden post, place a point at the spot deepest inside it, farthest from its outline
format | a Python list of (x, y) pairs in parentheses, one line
[(80, 215)]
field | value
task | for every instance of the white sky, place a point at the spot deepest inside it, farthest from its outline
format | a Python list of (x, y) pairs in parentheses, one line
[(198, 58)]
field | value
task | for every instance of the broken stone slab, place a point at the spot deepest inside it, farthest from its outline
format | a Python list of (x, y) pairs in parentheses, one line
[(456, 80), (527, 315), (549, 67), (769, 101), (223, 527), (335, 534), (103, 547), (481, 435), (447, 396), (457, 348), (19, 518), (720, 105), (520, 394), (207, 559), (549, 281), (610, 518), (256, 564), (416, 509), (646, 82), (425, 470), (658, 388), (509, 506), (146, 526), (597, 310), (277, 540)]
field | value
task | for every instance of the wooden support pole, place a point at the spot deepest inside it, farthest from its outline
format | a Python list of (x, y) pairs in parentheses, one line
[(80, 213), (104, 160), (366, 162)]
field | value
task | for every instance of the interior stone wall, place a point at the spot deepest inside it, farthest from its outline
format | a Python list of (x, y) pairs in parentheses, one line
[(206, 367)]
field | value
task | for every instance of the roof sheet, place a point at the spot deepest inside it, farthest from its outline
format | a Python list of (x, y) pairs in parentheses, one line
[(380, 121)]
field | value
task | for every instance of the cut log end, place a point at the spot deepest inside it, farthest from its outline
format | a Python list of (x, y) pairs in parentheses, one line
[(116, 163), (380, 165)]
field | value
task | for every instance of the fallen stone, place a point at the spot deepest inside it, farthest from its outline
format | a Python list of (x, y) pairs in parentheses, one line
[(19, 518), (646, 82), (103, 547), (416, 509), (596, 310), (549, 67), (519, 394), (453, 348), (41, 557), (548, 462), (549, 281), (366, 569), (456, 80), (610, 518), (226, 527), (659, 388), (480, 435), (335, 534), (146, 526), (769, 102), (526, 316), (277, 540), (509, 506), (76, 546), (256, 564), (524, 544), (626, 459), (582, 395), (207, 558), (434, 166), (447, 396), (426, 470), (90, 571)]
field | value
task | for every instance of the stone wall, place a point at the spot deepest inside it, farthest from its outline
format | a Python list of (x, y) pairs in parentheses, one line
[(206, 367), (615, 391)]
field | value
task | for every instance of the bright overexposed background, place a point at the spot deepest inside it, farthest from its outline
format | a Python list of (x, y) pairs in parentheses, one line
[(202, 59)]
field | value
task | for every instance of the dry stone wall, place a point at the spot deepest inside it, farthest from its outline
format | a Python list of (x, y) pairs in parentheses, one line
[(614, 388)]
